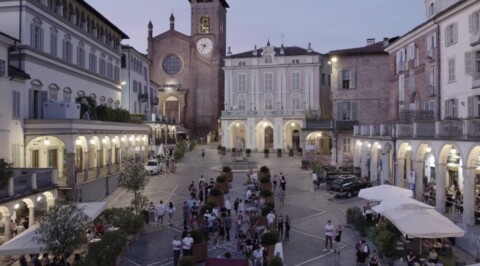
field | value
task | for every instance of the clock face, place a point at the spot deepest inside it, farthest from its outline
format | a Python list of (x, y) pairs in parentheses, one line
[(204, 45)]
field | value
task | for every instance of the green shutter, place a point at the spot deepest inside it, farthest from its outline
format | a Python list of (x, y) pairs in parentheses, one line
[(352, 79)]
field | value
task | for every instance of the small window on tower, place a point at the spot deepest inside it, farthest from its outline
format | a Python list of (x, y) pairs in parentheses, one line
[(205, 24)]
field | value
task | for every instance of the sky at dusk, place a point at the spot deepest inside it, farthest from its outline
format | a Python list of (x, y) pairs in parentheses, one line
[(326, 24)]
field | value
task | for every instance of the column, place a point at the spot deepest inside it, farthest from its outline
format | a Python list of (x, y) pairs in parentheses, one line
[(384, 170), (31, 216), (11, 189), (440, 183), (71, 169), (97, 159), (333, 160), (418, 167), (251, 134), (86, 163), (400, 172), (109, 161), (278, 133), (468, 195), (33, 180), (365, 156)]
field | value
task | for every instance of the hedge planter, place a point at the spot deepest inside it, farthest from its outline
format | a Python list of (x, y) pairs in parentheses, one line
[(227, 171), (199, 247), (264, 171), (216, 196), (266, 152), (262, 220), (234, 152), (247, 152), (279, 152), (222, 186), (268, 240)]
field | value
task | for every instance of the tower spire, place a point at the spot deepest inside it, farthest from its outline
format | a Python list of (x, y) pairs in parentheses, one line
[(172, 21)]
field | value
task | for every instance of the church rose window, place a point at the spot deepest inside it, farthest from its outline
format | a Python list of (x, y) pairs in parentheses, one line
[(172, 64)]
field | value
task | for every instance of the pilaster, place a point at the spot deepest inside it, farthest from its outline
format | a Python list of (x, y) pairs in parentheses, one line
[(469, 196), (440, 183)]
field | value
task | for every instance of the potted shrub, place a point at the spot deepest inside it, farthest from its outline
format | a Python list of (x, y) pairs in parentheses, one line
[(263, 172), (350, 216), (199, 247), (279, 152), (222, 183), (268, 240), (216, 196), (219, 149), (187, 261), (227, 171), (262, 219), (266, 182), (290, 152), (234, 152), (268, 195), (224, 150), (299, 150), (266, 152), (275, 261), (305, 164), (247, 152)]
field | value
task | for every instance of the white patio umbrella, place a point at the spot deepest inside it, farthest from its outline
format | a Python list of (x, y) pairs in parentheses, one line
[(24, 243), (398, 204), (424, 223), (382, 192)]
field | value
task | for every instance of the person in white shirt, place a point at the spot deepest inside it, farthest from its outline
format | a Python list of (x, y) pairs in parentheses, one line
[(315, 180), (187, 245), (249, 195), (228, 206), (160, 212), (257, 256), (241, 207), (176, 245), (171, 211), (270, 220), (329, 229)]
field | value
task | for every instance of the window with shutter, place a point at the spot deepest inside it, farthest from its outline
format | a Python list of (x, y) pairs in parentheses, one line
[(3, 68), (447, 109), (470, 106), (468, 63), (352, 79), (242, 82), (339, 111), (451, 70), (354, 115), (454, 108), (401, 88)]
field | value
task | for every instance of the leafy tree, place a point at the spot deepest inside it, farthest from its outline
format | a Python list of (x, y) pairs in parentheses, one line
[(134, 179), (62, 230)]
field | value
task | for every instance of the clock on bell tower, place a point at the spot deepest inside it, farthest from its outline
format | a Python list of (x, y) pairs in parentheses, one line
[(208, 44)]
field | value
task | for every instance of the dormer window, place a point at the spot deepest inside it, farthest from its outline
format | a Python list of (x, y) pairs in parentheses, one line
[(268, 59), (295, 61)]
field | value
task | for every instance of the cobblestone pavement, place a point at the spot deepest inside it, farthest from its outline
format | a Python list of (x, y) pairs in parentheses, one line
[(308, 210)]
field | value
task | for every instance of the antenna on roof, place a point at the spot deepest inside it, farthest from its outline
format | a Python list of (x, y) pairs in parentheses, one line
[(283, 41)]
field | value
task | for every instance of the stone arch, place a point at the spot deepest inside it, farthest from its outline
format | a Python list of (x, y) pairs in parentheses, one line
[(320, 142), (292, 130), (262, 128), (237, 129)]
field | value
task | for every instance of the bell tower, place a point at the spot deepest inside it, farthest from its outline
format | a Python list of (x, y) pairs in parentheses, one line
[(208, 36)]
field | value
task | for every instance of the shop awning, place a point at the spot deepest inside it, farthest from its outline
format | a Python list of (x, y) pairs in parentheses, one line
[(24, 243)]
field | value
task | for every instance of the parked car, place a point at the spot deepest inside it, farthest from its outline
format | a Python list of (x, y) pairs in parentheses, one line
[(153, 167), (347, 185)]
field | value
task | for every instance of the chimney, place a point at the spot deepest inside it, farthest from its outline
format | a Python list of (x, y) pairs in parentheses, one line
[(370, 41), (385, 42)]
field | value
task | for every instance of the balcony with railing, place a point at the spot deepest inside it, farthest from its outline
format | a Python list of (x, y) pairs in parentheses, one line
[(262, 113), (356, 130), (385, 130), (449, 128), (320, 124), (404, 130), (472, 127), (412, 116), (25, 181), (345, 125), (424, 129)]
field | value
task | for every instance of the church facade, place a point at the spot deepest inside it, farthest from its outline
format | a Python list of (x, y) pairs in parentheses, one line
[(188, 69)]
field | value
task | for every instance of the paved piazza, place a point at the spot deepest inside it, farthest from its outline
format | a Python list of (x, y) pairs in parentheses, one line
[(308, 210)]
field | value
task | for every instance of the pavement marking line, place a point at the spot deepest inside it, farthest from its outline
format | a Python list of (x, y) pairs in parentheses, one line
[(131, 261), (171, 193), (295, 204), (116, 198), (308, 217)]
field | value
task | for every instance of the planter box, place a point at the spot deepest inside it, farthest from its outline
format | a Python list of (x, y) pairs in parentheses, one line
[(267, 186), (270, 251), (262, 220), (200, 251), (229, 176), (248, 155), (269, 199), (219, 200), (279, 154), (266, 155), (222, 186)]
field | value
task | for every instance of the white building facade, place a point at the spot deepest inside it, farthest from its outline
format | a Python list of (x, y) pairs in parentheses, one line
[(268, 92)]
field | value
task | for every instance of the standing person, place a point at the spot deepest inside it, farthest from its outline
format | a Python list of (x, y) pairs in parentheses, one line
[(238, 223), (275, 182), (280, 223), (329, 229), (185, 210), (167, 165), (227, 220), (177, 245), (270, 220), (187, 243), (338, 237), (235, 205), (228, 206), (281, 196), (160, 212), (221, 232), (315, 180), (241, 207), (203, 154), (151, 213), (374, 260), (170, 212), (173, 166), (283, 181), (287, 228)]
